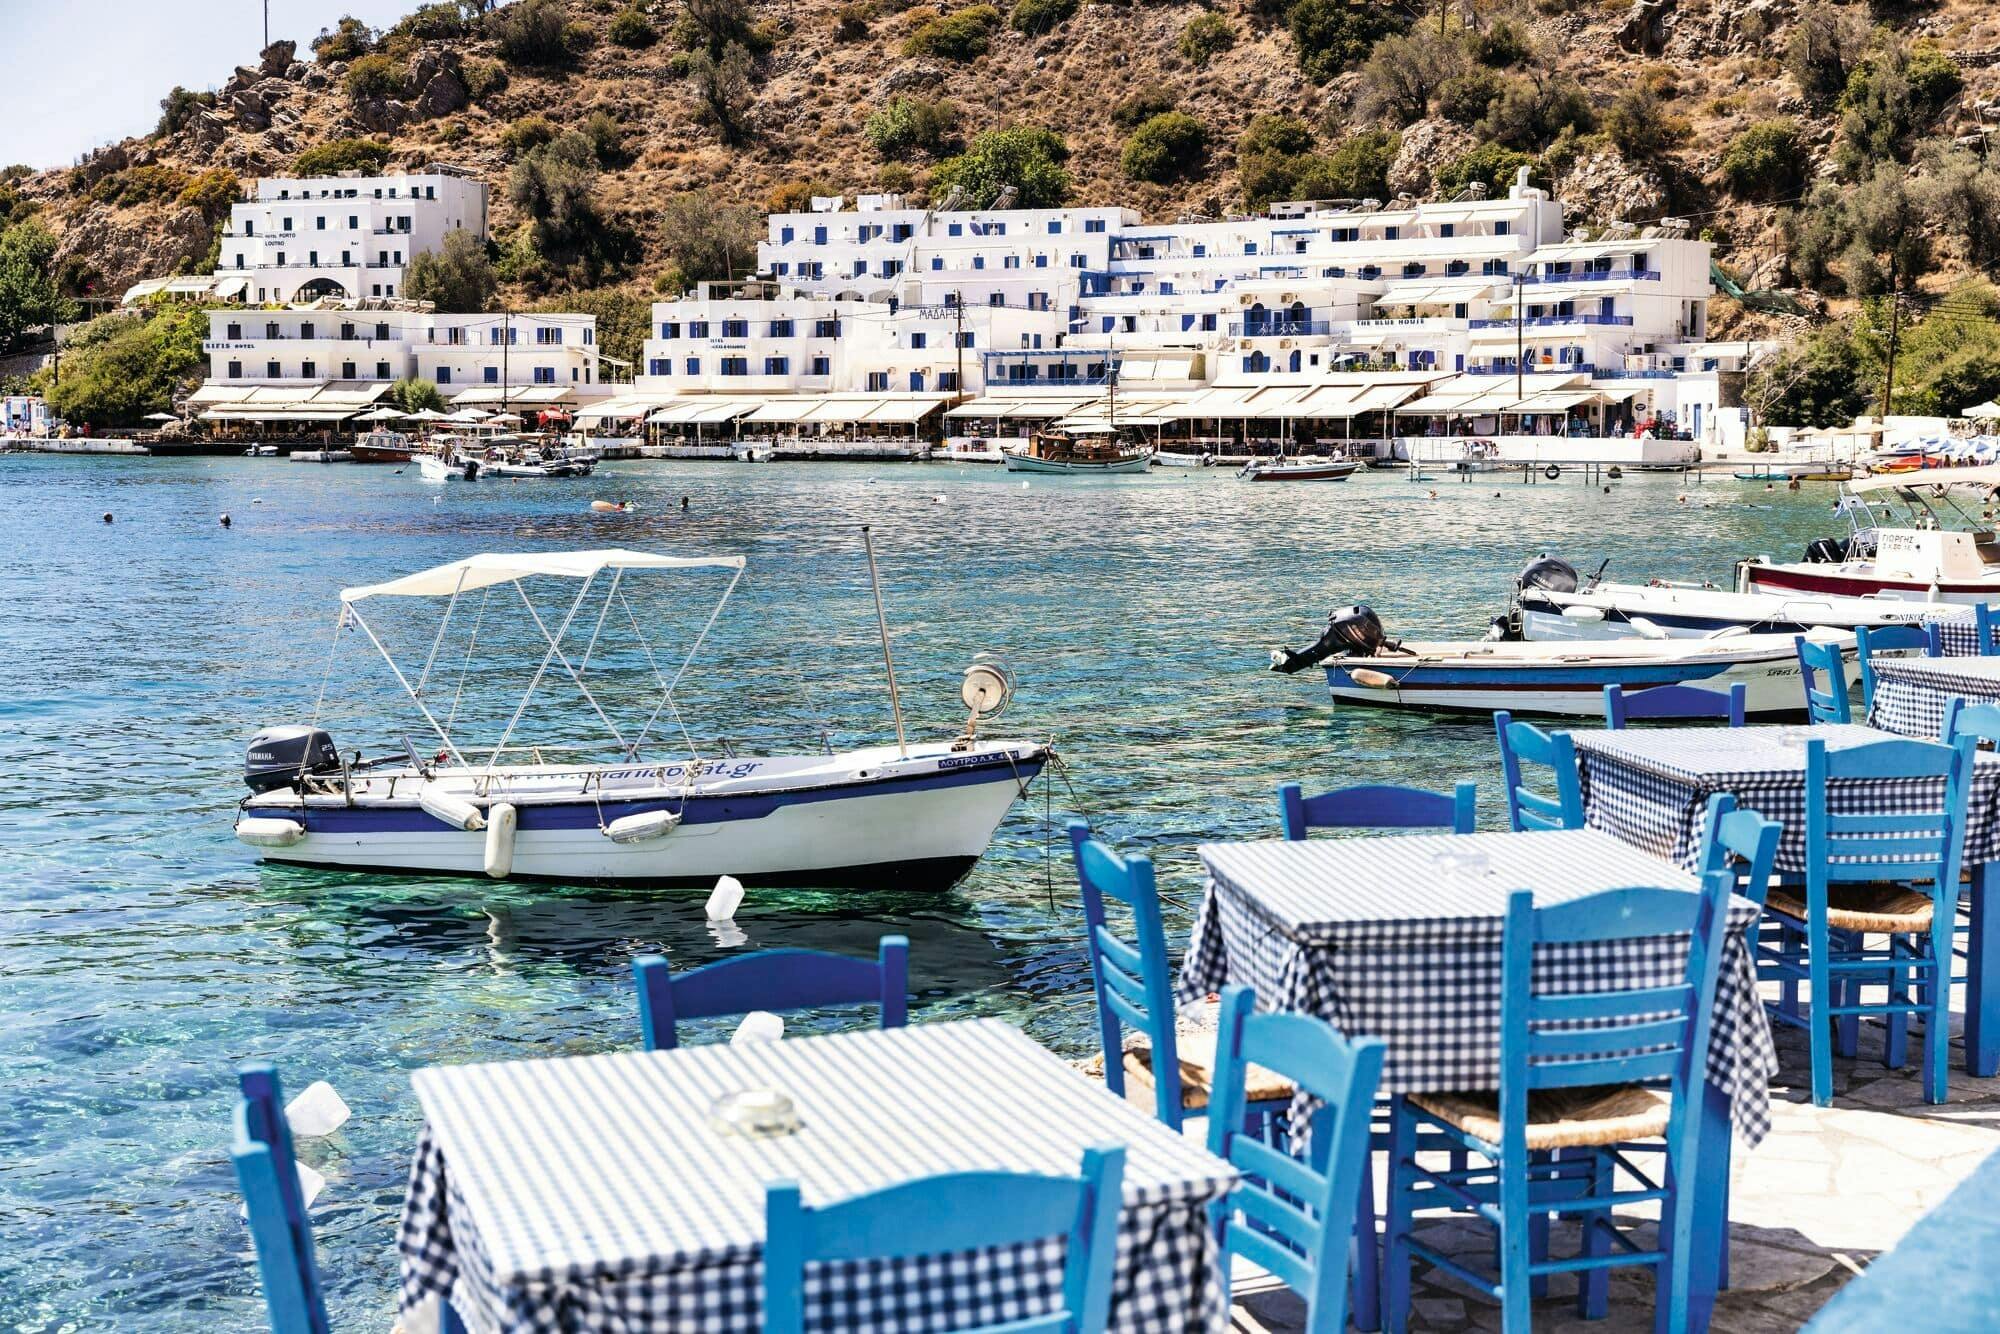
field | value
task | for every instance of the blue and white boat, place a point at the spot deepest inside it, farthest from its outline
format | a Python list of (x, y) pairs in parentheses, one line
[(1549, 677), (894, 815)]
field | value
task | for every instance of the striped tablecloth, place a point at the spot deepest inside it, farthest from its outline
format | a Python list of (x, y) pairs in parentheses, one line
[(591, 1193), (1650, 786), (1399, 938), (1911, 693), (1958, 631)]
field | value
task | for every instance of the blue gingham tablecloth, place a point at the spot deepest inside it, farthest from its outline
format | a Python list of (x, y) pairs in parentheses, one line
[(1911, 693), (1958, 631), (590, 1193), (1650, 786), (1399, 938)]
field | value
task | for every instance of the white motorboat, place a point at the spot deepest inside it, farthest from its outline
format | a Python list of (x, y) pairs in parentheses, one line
[(445, 464), (1551, 603), (893, 815), (1299, 469), (1564, 679), (1911, 538), (261, 452), (752, 452)]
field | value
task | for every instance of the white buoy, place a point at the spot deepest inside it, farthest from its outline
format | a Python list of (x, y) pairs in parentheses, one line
[(725, 899), (759, 1026), (317, 1111), (501, 820), (454, 811), (261, 832)]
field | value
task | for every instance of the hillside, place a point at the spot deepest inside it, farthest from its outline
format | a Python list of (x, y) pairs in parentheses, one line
[(1627, 112)]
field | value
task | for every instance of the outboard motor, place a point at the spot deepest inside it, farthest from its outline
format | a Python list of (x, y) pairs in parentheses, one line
[(1556, 576), (1826, 551), (1352, 632), (279, 755)]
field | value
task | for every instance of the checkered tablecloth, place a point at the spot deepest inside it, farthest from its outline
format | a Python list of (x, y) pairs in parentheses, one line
[(1911, 693), (1958, 631), (1650, 787), (1399, 938), (591, 1193)]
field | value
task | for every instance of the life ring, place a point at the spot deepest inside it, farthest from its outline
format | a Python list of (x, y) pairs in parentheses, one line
[(1552, 472)]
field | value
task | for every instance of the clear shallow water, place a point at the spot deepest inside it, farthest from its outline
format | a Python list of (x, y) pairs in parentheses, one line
[(143, 952)]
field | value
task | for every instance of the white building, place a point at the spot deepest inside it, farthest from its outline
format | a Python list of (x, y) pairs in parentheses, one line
[(347, 236)]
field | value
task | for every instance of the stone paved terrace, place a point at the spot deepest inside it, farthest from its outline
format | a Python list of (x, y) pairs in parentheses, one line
[(1825, 1193)]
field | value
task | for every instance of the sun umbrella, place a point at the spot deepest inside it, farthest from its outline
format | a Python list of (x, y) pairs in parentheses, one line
[(472, 413), (429, 415), (499, 417), (161, 417), (1986, 411), (381, 415)]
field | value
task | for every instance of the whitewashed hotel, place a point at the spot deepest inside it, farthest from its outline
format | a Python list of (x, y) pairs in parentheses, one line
[(1417, 326)]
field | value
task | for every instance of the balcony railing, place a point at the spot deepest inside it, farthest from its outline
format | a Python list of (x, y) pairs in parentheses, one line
[(1612, 373), (1278, 328), (1595, 276), (1550, 321), (1536, 368)]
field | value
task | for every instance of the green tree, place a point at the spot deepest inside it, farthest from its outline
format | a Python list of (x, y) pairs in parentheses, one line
[(1168, 147), (708, 240), (179, 107), (532, 32), (1961, 191), (1134, 111), (631, 29), (1039, 16), (348, 39), (723, 85), (1334, 35), (1817, 382), (1206, 36), (1358, 169), (123, 366), (1827, 42), (911, 125), (1640, 125), (527, 134), (374, 76), (457, 278), (212, 192), (436, 22), (1488, 163), (1766, 161), (1533, 108), (624, 319), (338, 155), (607, 138), (555, 186), (1892, 98), (414, 394), (1028, 158), (1406, 71), (29, 296)]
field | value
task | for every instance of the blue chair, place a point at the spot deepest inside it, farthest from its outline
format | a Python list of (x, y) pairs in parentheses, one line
[(279, 1227), (965, 1211), (1378, 806), (1875, 875), (1984, 621), (1828, 703), (774, 980), (1870, 640), (1526, 808), (1570, 1098), (1673, 702), (1294, 1215), (1742, 843)]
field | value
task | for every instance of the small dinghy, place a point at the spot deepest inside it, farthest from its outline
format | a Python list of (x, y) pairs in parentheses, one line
[(900, 815), (1365, 667)]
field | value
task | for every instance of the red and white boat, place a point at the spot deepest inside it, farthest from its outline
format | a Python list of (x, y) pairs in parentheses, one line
[(1927, 536)]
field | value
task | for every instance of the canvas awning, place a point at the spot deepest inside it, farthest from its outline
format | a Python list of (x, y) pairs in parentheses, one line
[(783, 409), (490, 568), (1437, 291), (905, 410), (991, 408), (617, 408), (517, 395), (703, 411)]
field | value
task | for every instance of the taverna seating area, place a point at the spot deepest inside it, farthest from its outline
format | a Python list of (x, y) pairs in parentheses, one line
[(1688, 1025)]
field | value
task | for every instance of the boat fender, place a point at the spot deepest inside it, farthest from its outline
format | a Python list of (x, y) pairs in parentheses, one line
[(447, 809), (1578, 613), (501, 821), (641, 827), (1647, 629), (263, 832), (1362, 676)]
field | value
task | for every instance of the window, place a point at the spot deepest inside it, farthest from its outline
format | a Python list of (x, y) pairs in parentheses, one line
[(1093, 224), (281, 259), (821, 366), (917, 338), (234, 333), (1394, 233), (826, 328), (963, 339), (1250, 248), (948, 381), (979, 261), (547, 337), (381, 370), (319, 224), (1501, 227), (736, 365), (660, 366), (736, 328), (953, 229), (1208, 323), (545, 375), (937, 263), (784, 236), (891, 267), (287, 227), (353, 223), (819, 236), (271, 329), (347, 370), (444, 375), (900, 232), (589, 335), (777, 366), (1041, 261), (878, 382), (249, 227), (1010, 262), (382, 331), (1076, 261), (272, 372), (1055, 226), (671, 329), (781, 328), (235, 370), (1200, 250), (697, 328)]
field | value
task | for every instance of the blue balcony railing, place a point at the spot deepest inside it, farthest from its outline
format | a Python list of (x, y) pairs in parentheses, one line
[(1278, 328), (1614, 374), (1595, 276), (1535, 368), (1550, 321)]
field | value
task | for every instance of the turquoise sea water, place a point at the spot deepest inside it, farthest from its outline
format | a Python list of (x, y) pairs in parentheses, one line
[(143, 952)]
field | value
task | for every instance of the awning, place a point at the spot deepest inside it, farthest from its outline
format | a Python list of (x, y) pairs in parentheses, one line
[(529, 395), (991, 408), (703, 411), (1434, 291), (783, 409), (905, 409), (1560, 400), (230, 412), (485, 570), (618, 408), (212, 393)]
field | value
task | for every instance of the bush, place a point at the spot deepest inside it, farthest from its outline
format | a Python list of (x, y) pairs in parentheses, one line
[(1827, 43), (793, 196), (714, 24), (338, 155), (911, 125), (1205, 37), (1962, 194), (1141, 107), (1405, 72), (29, 297), (1490, 163), (1168, 147), (1029, 159), (624, 319), (1766, 161), (1641, 127), (457, 278), (413, 393), (1039, 16), (724, 88), (1332, 35), (633, 30), (433, 23), (1466, 97), (607, 138), (179, 107), (963, 35), (120, 368), (850, 22), (348, 39), (531, 32), (1503, 45), (212, 193), (1275, 134), (139, 185), (707, 240), (374, 76), (1358, 169), (482, 78), (1892, 97), (1533, 109), (527, 134)]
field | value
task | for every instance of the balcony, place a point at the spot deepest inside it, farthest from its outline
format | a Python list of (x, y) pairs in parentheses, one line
[(1279, 328), (1594, 276), (1535, 368), (1552, 321)]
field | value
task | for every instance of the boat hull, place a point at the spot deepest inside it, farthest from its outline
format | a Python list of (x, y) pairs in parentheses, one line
[(1300, 472), (1562, 689), (1079, 468), (1850, 580), (920, 823), (1610, 612)]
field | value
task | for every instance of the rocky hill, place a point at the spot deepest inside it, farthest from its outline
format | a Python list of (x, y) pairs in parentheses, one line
[(1627, 112)]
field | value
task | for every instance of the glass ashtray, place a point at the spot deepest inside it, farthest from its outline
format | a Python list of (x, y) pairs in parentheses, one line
[(755, 1113)]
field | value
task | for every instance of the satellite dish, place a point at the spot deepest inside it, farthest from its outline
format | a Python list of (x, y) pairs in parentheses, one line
[(986, 689)]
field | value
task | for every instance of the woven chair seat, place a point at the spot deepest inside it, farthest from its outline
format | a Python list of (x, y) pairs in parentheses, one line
[(1861, 907), (1197, 1062), (1559, 1118)]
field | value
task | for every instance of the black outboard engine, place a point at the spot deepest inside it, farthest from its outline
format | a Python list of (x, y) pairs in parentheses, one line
[(1556, 576), (279, 755), (1826, 551), (1353, 632)]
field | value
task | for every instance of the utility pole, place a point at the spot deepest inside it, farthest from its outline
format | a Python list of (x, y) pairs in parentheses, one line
[(1520, 352), (1889, 371), (958, 342), (267, 29), (506, 346)]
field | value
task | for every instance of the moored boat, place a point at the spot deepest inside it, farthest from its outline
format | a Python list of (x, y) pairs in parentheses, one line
[(381, 446), (1910, 538), (1299, 470), (322, 456), (1084, 452)]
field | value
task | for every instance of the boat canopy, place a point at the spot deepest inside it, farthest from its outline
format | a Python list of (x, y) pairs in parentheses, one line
[(1924, 478), (490, 568)]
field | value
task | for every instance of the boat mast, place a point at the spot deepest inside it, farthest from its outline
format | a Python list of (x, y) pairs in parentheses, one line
[(882, 623)]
